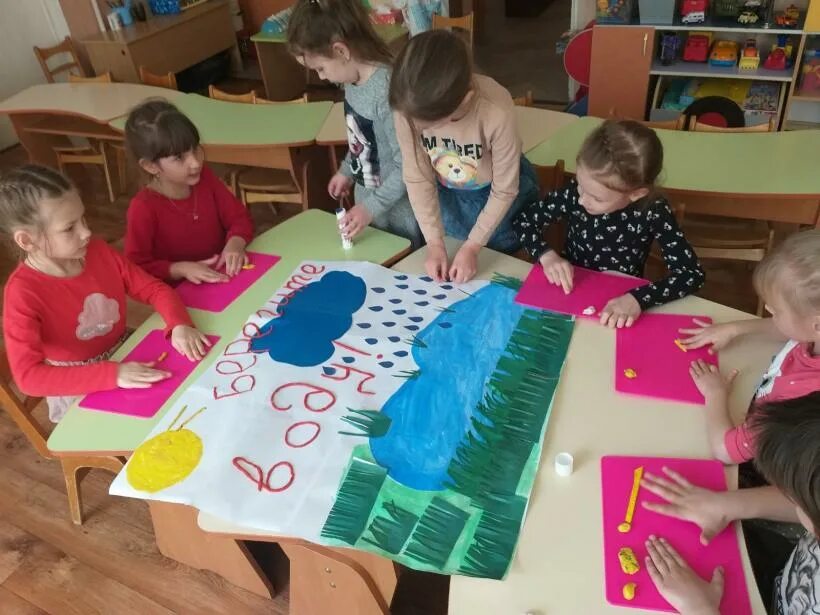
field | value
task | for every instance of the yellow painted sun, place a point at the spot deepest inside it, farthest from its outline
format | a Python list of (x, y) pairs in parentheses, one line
[(167, 458)]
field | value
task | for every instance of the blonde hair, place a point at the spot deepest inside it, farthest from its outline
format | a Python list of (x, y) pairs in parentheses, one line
[(22, 190), (625, 151), (792, 269)]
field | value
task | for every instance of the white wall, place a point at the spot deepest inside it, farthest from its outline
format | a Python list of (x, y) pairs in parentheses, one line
[(25, 23)]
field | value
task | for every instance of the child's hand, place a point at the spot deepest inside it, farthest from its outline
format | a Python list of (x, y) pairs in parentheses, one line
[(436, 262), (620, 312), (710, 382), (233, 256), (718, 336), (339, 185), (558, 270), (199, 271), (679, 585), (139, 375), (465, 263), (355, 221), (685, 501), (189, 342)]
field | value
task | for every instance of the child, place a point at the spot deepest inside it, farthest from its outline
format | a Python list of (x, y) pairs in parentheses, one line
[(462, 155), (64, 305), (787, 433), (788, 280), (185, 224), (335, 38), (612, 218)]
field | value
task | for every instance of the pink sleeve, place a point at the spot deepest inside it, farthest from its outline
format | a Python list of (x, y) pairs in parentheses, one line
[(234, 215), (139, 240), (739, 443)]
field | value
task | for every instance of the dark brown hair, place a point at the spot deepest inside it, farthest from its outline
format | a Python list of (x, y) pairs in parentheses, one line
[(21, 192), (788, 454), (623, 155), (793, 270), (431, 76), (315, 25), (156, 129)]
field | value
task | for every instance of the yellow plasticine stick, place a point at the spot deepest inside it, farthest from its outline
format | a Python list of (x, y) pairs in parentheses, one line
[(633, 498), (162, 357), (680, 345)]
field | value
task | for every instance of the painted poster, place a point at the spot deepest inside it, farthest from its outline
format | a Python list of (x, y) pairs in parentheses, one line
[(366, 408)]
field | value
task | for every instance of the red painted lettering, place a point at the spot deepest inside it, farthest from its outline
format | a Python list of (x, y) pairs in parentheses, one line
[(314, 390), (282, 479), (235, 387), (311, 269), (221, 369), (293, 433), (347, 372)]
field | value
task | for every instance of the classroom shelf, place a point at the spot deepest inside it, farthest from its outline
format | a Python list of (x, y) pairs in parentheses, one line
[(714, 26), (692, 69), (806, 98)]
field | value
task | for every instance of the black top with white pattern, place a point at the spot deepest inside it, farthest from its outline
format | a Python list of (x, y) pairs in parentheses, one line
[(617, 241)]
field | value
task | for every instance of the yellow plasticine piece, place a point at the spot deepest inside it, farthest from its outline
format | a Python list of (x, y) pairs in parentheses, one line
[(249, 266), (637, 475), (630, 373), (162, 357), (629, 591), (629, 563), (680, 345), (165, 459)]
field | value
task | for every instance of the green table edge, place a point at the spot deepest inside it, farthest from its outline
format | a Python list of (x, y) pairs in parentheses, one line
[(310, 235)]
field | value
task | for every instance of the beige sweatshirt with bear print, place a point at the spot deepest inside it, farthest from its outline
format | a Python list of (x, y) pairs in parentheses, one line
[(480, 148)]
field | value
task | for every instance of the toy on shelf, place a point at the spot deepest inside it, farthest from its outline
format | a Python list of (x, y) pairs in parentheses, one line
[(696, 48), (810, 73), (788, 18), (669, 48), (693, 11), (614, 11), (750, 56), (724, 53), (748, 17), (780, 57)]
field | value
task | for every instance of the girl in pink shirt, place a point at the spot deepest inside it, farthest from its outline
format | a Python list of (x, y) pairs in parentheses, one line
[(789, 282)]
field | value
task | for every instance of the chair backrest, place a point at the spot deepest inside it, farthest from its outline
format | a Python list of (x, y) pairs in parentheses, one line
[(550, 177), (525, 100), (677, 124), (464, 23), (258, 100), (168, 81), (104, 78), (217, 94), (73, 65), (696, 126), (20, 408)]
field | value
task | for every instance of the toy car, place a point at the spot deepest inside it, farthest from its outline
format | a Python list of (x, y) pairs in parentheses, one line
[(669, 48), (776, 60), (749, 57), (746, 17), (693, 11), (724, 53), (788, 18), (696, 48)]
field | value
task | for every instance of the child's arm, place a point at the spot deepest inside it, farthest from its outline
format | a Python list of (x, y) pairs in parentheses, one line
[(685, 273), (720, 335), (719, 427), (236, 220), (139, 240)]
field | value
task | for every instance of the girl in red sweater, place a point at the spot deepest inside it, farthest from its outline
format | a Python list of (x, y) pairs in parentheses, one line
[(185, 224), (64, 304)]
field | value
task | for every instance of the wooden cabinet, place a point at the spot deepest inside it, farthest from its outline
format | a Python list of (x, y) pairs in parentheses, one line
[(619, 73)]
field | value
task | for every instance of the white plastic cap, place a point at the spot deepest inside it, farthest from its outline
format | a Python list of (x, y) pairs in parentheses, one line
[(563, 464)]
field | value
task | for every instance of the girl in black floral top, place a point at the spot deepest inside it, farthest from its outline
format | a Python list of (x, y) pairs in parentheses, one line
[(612, 216)]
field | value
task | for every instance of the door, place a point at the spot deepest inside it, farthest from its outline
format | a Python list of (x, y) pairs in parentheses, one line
[(35, 22), (619, 72)]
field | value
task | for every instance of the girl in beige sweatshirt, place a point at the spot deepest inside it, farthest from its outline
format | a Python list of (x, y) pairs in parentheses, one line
[(461, 153)]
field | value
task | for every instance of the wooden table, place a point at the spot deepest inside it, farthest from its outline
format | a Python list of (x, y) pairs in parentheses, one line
[(163, 44), (283, 76), (558, 566), (44, 116), (534, 126), (763, 176)]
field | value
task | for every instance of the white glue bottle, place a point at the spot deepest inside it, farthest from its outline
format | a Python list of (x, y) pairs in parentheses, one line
[(347, 243)]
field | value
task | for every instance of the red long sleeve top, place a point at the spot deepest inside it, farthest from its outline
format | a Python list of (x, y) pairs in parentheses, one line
[(77, 319), (162, 231)]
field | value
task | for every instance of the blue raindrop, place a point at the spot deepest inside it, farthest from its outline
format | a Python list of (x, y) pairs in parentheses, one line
[(400, 312), (389, 323), (400, 353), (422, 303), (420, 291), (435, 297), (412, 327), (377, 289), (447, 287), (416, 318), (329, 371), (394, 338), (376, 308), (348, 359), (400, 277), (426, 278), (402, 286), (386, 363), (371, 340), (445, 325), (363, 325), (395, 301)]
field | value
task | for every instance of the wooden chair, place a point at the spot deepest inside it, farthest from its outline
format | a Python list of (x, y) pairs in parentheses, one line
[(258, 100), (20, 409), (464, 23), (217, 94), (696, 126), (525, 100), (93, 153), (551, 178), (73, 66), (677, 124), (104, 78), (168, 81)]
